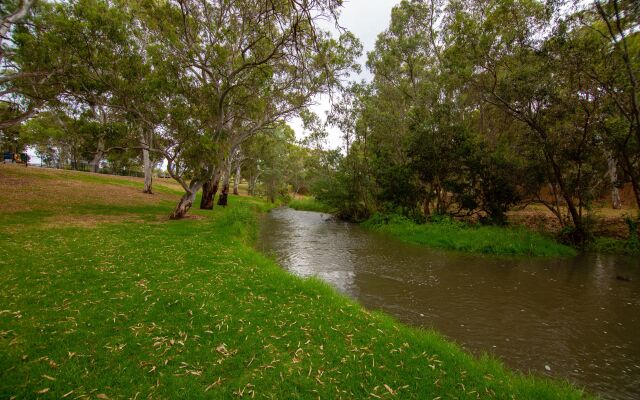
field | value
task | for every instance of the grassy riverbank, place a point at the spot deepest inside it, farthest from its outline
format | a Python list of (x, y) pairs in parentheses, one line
[(454, 235), (309, 204), (102, 297)]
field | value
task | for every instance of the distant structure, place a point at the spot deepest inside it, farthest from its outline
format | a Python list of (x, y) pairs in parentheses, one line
[(10, 157)]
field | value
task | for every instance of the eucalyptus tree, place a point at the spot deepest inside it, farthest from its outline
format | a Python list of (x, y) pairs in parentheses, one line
[(31, 60), (112, 73), (104, 76), (239, 67), (608, 35), (515, 56)]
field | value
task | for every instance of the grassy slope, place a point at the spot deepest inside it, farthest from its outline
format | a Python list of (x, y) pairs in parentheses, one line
[(113, 301)]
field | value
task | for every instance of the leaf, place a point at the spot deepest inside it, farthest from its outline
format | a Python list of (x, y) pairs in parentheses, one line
[(389, 389)]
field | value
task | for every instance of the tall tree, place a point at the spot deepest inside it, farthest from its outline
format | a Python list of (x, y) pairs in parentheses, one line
[(239, 67), (31, 58)]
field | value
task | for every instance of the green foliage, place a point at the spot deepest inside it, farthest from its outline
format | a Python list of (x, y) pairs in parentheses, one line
[(309, 204), (607, 245), (630, 246), (477, 107), (447, 233)]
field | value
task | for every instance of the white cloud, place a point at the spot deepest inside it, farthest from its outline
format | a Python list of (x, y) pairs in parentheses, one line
[(365, 19)]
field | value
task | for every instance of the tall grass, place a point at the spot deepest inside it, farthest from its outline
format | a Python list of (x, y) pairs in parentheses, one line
[(309, 204), (455, 235)]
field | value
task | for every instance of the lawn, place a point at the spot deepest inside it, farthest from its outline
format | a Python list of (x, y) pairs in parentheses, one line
[(101, 297)]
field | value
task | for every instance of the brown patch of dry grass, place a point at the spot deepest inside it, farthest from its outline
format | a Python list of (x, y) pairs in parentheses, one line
[(88, 221), (607, 221), (29, 189)]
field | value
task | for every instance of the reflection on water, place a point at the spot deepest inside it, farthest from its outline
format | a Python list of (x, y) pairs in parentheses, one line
[(572, 316)]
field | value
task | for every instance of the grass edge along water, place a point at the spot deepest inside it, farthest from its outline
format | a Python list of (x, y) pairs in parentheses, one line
[(162, 308)]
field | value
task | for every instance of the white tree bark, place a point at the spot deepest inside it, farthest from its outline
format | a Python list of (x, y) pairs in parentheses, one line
[(148, 172), (186, 201), (238, 177), (616, 202), (97, 158)]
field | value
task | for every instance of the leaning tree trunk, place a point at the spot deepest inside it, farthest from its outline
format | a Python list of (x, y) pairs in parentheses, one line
[(236, 180), (184, 205), (616, 203), (148, 172), (579, 234), (209, 191)]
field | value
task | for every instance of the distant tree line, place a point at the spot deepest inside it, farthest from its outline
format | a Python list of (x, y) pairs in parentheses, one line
[(478, 106)]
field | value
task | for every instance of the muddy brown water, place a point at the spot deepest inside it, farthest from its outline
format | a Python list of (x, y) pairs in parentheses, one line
[(564, 318)]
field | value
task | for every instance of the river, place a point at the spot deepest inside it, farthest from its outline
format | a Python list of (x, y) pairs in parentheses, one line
[(564, 318)]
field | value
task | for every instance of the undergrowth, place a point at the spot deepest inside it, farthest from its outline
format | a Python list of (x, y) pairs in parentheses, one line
[(446, 233)]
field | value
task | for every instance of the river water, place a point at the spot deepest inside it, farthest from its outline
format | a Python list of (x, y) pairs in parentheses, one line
[(569, 318)]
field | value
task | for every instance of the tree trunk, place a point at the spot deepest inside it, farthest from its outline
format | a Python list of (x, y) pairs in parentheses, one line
[(631, 170), (251, 185), (426, 208), (222, 201), (95, 162), (184, 205), (148, 172), (236, 180), (579, 235), (209, 191), (636, 192), (616, 203), (224, 195)]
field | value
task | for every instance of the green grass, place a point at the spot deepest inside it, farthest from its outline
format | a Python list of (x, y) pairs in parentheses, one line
[(309, 204), (188, 309), (608, 245), (453, 235)]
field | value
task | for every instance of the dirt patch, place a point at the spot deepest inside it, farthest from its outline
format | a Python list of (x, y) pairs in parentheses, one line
[(88, 221), (606, 221), (193, 217)]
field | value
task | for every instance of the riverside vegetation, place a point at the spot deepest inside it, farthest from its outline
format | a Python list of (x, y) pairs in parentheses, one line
[(449, 234), (103, 297)]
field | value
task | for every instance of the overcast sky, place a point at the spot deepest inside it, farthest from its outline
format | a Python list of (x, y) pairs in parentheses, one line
[(365, 19)]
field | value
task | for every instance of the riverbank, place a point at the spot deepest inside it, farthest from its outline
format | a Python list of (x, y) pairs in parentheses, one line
[(103, 297), (309, 204), (531, 233), (455, 235)]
